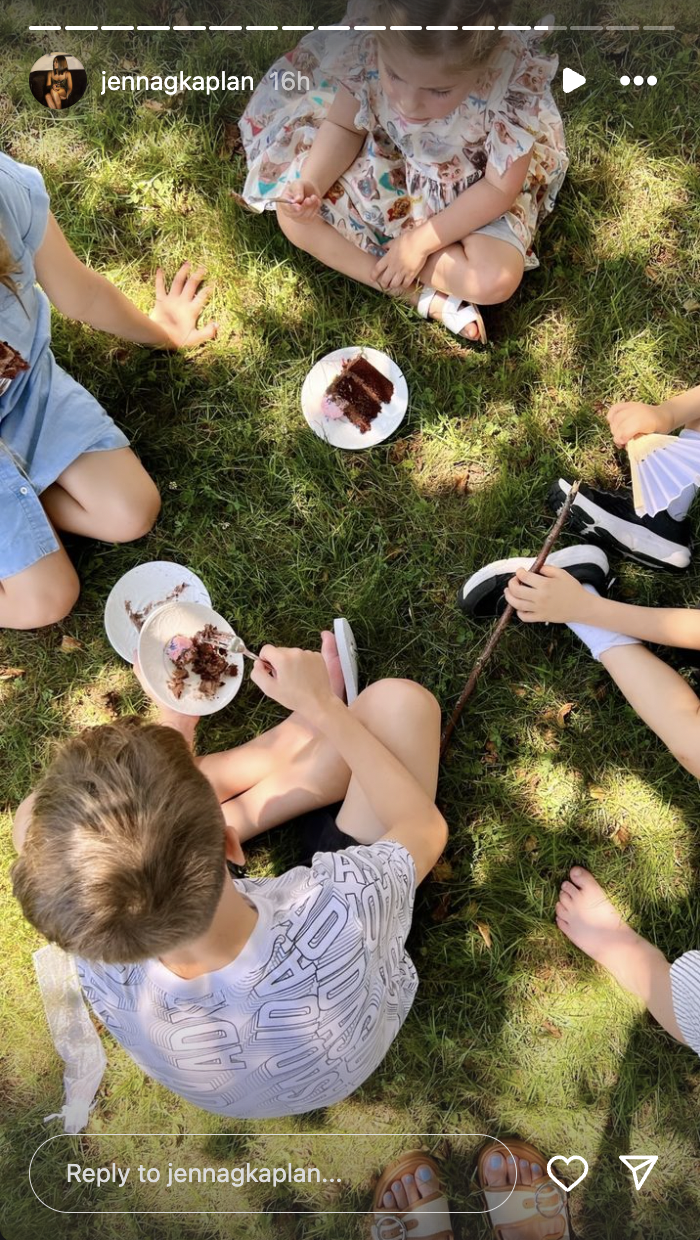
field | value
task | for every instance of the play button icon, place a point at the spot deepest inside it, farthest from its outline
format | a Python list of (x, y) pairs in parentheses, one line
[(572, 81)]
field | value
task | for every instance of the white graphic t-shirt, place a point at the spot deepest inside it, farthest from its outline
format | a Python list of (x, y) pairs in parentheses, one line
[(302, 1016)]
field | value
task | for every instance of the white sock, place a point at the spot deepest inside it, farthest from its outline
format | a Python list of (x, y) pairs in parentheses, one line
[(600, 640), (680, 506)]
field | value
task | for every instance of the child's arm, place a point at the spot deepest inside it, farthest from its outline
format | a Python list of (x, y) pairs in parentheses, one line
[(335, 147), (555, 597), (487, 200), (397, 799), (659, 695), (83, 294), (631, 418)]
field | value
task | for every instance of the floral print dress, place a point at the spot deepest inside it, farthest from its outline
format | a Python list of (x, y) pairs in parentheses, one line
[(405, 173)]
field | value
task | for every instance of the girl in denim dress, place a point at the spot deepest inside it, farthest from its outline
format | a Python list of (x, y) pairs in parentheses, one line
[(64, 464)]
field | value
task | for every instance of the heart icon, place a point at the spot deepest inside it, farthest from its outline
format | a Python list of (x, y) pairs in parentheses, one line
[(568, 1188)]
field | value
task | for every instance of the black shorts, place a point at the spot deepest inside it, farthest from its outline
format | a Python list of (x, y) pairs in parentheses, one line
[(316, 831)]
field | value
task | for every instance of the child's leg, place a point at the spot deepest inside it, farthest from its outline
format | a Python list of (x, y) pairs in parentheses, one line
[(482, 269), (400, 713), (42, 594), (586, 916), (661, 697), (104, 495)]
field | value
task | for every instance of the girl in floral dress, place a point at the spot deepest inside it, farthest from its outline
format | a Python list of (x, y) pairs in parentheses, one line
[(418, 162)]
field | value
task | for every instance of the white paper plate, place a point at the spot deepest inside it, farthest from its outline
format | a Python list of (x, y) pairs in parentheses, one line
[(145, 584), (338, 431), (156, 668)]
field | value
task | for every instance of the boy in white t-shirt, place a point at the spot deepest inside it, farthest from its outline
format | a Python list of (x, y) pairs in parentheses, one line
[(252, 998)]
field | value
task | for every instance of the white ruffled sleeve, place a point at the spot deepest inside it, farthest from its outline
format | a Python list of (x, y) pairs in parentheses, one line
[(351, 59), (515, 118)]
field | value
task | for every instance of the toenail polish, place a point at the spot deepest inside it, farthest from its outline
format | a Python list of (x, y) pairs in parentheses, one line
[(495, 1162), (424, 1174), (536, 1170), (396, 1187)]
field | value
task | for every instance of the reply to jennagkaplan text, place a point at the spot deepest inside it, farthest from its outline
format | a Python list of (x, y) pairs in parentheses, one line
[(238, 1176)]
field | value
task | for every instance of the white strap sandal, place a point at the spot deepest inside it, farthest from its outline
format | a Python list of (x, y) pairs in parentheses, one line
[(456, 314), (523, 1203), (428, 1219), (347, 653)]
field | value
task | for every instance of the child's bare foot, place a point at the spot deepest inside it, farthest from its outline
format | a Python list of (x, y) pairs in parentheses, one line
[(587, 917), (331, 658)]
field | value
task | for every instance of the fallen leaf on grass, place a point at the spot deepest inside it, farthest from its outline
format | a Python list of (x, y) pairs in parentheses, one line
[(485, 933), (563, 713), (442, 908), (596, 793), (443, 872), (69, 644), (129, 65), (12, 673), (553, 1030), (622, 836), (691, 305), (154, 105), (232, 144)]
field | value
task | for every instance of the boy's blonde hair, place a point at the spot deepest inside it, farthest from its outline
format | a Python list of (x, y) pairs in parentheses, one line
[(463, 49), (124, 855)]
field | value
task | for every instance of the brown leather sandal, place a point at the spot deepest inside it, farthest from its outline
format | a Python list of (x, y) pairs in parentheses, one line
[(510, 1205), (428, 1219)]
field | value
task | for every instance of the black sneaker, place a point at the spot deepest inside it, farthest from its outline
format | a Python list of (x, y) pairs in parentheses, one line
[(608, 518), (482, 595)]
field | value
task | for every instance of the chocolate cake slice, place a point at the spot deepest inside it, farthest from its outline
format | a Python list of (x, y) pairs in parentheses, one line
[(205, 654), (357, 393)]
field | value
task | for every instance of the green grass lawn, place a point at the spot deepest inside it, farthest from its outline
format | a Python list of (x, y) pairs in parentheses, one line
[(525, 1036)]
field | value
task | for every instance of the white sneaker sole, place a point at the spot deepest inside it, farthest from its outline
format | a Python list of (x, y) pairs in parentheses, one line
[(567, 558), (637, 541)]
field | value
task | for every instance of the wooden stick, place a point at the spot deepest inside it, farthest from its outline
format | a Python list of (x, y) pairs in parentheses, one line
[(504, 621)]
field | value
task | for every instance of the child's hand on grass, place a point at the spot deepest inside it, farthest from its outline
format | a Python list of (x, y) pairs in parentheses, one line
[(300, 680), (551, 596), (403, 262), (177, 311), (630, 418), (303, 201)]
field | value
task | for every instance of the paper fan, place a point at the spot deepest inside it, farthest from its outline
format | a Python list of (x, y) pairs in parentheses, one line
[(662, 467)]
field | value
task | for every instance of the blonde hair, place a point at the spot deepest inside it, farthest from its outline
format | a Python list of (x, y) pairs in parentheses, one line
[(124, 855), (464, 48), (8, 266)]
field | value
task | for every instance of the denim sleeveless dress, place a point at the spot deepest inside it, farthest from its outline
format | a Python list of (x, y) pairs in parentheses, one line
[(47, 420)]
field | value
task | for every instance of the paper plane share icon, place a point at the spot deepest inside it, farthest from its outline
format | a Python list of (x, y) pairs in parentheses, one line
[(641, 1166)]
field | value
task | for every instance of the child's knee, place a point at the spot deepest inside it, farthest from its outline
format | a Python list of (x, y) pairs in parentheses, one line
[(46, 601), (406, 697), (493, 279), (132, 516)]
